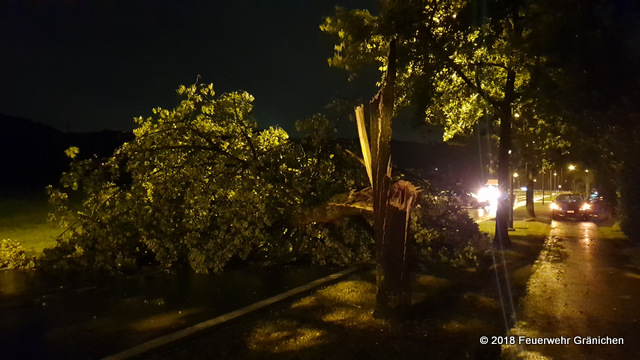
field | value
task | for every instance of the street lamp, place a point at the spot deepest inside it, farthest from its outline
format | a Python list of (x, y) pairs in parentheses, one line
[(573, 178)]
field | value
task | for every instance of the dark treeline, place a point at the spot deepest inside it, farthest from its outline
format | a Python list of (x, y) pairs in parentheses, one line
[(33, 154)]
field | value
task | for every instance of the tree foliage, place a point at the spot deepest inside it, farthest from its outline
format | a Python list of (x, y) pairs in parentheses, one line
[(200, 185), (14, 256)]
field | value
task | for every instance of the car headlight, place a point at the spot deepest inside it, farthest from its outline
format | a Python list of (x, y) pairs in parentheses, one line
[(585, 207), (554, 206)]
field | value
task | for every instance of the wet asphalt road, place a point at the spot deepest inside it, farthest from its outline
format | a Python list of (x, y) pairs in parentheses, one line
[(581, 287)]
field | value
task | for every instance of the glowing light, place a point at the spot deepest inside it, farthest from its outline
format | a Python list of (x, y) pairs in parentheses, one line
[(572, 167), (489, 194)]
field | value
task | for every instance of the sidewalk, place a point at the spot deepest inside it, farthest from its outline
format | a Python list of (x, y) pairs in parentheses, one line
[(584, 290)]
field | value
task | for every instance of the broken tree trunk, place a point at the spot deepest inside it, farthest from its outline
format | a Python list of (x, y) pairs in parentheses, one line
[(392, 202), (393, 270)]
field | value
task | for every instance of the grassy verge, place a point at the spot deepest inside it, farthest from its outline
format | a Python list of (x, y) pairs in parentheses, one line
[(523, 224), (23, 218)]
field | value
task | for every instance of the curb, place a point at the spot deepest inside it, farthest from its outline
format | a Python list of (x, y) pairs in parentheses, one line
[(167, 339)]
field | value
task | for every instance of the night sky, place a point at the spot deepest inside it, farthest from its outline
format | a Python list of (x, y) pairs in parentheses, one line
[(92, 65)]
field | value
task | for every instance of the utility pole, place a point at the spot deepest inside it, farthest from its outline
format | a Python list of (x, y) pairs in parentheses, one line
[(542, 187)]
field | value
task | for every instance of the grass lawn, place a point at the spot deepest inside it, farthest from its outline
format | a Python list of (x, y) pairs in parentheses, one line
[(23, 218), (523, 224)]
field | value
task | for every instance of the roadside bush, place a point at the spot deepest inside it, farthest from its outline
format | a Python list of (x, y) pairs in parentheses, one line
[(13, 255), (444, 234)]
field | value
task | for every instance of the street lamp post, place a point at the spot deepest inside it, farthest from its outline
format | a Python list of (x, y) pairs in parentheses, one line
[(588, 177), (513, 201), (542, 186)]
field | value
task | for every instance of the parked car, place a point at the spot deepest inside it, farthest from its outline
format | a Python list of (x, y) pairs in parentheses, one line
[(570, 206), (600, 208)]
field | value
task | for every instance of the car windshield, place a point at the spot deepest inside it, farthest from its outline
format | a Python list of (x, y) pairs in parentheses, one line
[(569, 198)]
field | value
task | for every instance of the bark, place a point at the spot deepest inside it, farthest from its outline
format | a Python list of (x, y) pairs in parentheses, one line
[(529, 195), (393, 278), (381, 113), (505, 113), (504, 179)]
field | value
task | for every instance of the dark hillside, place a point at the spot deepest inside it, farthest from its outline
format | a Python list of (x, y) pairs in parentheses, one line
[(33, 154)]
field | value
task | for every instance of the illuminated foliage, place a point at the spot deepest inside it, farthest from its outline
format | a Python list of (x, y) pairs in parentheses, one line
[(444, 234), (13, 255), (454, 71), (200, 185)]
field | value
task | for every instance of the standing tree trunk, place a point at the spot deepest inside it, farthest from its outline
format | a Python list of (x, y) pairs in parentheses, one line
[(504, 177), (529, 199), (505, 111)]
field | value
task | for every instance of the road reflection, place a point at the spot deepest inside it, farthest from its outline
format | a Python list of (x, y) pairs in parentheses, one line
[(584, 232)]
